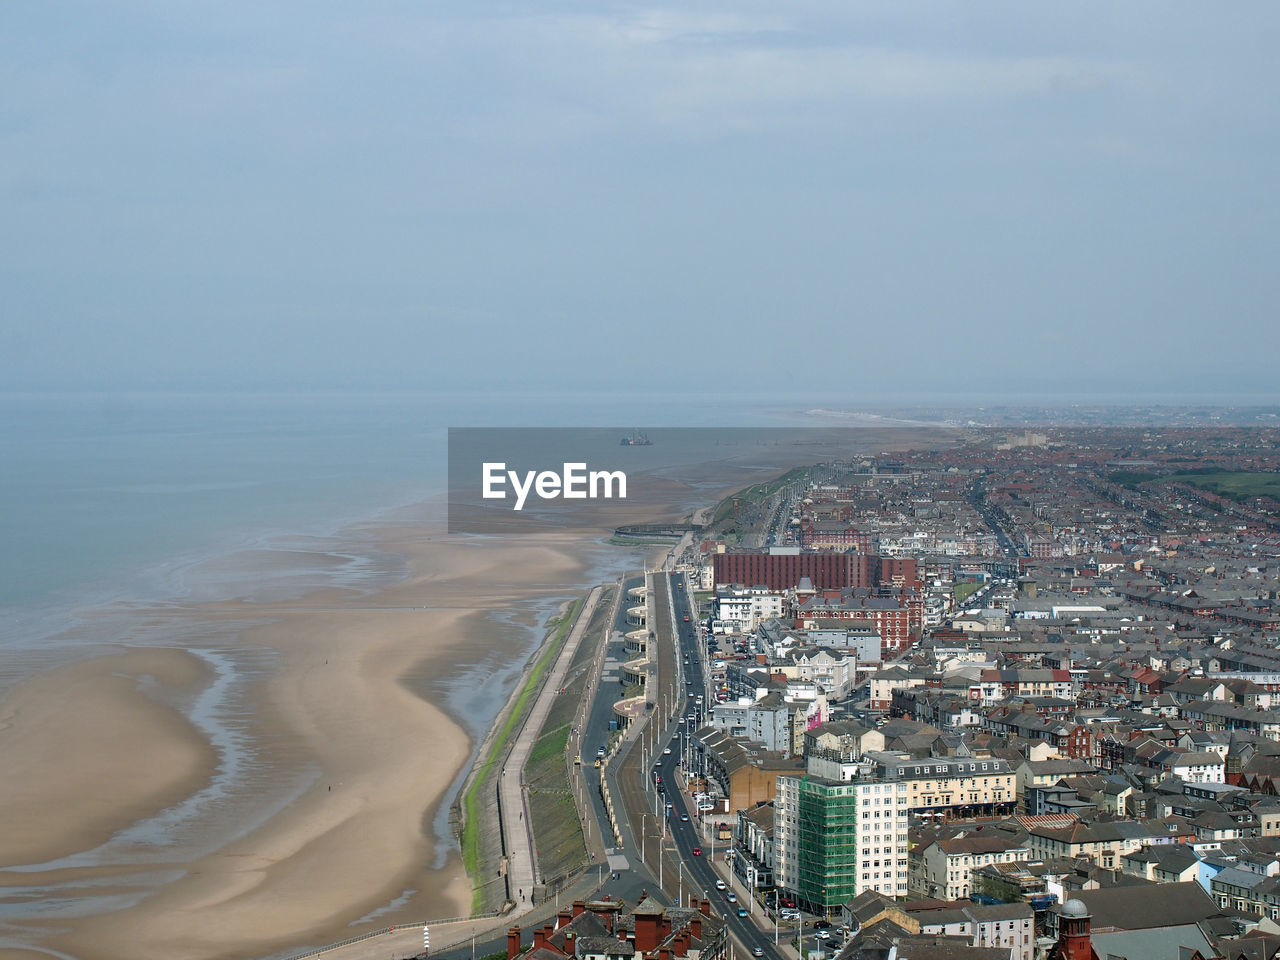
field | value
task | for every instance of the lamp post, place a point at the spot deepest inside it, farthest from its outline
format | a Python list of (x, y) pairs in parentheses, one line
[(643, 821)]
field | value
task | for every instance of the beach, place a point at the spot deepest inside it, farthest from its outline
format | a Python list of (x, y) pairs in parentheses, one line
[(345, 708)]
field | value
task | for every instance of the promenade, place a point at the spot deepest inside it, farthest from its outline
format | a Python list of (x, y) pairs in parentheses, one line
[(517, 831)]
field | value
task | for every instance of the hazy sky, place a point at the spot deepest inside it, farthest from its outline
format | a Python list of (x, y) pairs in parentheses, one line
[(463, 194)]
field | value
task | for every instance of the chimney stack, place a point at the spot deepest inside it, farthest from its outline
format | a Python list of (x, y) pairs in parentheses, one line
[(513, 943)]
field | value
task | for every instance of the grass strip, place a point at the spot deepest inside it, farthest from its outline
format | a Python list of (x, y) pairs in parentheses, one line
[(470, 839)]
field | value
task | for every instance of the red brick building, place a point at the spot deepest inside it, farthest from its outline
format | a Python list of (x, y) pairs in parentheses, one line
[(896, 618), (826, 571)]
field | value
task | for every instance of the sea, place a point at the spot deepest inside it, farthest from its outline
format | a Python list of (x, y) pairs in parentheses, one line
[(131, 498)]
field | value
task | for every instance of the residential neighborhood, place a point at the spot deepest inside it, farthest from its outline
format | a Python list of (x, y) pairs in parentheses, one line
[(969, 697)]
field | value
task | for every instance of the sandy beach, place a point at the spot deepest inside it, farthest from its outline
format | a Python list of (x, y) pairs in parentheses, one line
[(68, 745), (97, 745)]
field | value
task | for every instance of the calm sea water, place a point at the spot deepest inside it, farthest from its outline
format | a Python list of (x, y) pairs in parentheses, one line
[(133, 497)]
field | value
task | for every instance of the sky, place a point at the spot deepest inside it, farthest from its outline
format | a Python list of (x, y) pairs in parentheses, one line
[(730, 197)]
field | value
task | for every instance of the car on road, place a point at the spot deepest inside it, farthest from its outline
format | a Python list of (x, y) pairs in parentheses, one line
[(822, 934), (720, 885), (697, 851), (666, 752), (822, 924), (732, 897), (788, 915), (742, 911), (684, 818), (757, 951)]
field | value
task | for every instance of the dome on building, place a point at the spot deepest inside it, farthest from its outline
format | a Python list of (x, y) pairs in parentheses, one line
[(1074, 908)]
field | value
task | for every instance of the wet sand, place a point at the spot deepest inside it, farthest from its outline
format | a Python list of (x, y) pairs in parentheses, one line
[(95, 745), (74, 770)]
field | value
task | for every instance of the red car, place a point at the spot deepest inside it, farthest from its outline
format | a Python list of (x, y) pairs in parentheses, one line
[(697, 851)]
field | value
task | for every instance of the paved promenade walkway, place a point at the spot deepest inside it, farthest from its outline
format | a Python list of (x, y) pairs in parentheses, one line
[(517, 833)]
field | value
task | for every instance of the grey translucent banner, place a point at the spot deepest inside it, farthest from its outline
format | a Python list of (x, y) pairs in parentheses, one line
[(517, 480)]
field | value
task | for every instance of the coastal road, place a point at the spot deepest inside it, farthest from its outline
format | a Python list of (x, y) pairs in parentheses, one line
[(672, 835), (595, 733)]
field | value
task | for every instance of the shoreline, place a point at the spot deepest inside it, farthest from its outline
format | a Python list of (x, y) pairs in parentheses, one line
[(469, 609), (486, 605)]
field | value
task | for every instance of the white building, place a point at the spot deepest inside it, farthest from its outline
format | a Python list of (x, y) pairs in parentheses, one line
[(742, 608)]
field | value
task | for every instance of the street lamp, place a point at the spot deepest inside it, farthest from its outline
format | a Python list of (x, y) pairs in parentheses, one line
[(643, 819)]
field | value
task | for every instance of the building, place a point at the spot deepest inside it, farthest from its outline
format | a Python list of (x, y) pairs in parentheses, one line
[(742, 608), (1006, 926), (782, 568), (950, 787), (837, 839), (600, 930), (946, 866), (896, 617), (1074, 942), (743, 773), (766, 721)]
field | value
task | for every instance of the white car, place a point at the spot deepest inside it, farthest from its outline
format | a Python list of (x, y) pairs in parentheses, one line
[(719, 884), (666, 752)]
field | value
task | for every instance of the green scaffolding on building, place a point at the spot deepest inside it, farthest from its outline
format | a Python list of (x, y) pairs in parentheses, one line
[(827, 840)]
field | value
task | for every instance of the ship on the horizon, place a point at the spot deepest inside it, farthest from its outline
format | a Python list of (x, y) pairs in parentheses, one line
[(636, 439)]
